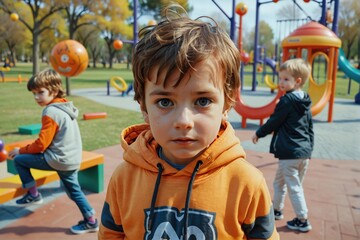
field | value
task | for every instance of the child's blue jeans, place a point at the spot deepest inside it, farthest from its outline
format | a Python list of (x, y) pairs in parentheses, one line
[(23, 163), (290, 176)]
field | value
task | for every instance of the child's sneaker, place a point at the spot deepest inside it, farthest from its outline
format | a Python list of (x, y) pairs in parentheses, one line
[(278, 215), (296, 224), (30, 199), (85, 226)]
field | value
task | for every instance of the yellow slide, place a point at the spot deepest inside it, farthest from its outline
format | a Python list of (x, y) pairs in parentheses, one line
[(273, 86), (319, 94)]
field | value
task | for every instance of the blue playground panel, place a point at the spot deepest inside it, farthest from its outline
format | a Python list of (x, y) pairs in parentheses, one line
[(30, 129)]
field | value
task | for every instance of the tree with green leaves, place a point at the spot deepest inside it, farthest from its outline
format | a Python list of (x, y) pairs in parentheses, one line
[(13, 36), (348, 27), (89, 36), (40, 10), (154, 7), (79, 13), (112, 20), (266, 37)]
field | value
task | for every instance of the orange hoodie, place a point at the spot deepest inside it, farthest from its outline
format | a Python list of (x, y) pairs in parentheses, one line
[(217, 196)]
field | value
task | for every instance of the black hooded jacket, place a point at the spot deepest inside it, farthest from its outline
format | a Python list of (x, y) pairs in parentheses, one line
[(292, 125)]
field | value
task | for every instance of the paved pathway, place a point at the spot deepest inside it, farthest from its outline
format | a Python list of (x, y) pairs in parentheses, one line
[(332, 184)]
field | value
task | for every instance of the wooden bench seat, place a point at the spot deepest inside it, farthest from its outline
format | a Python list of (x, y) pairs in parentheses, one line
[(91, 174)]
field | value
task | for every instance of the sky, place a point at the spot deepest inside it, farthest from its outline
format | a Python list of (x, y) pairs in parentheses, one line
[(268, 12)]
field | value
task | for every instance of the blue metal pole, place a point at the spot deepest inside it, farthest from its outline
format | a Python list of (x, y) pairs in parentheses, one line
[(231, 19), (253, 87), (135, 22), (232, 22), (323, 13), (336, 17)]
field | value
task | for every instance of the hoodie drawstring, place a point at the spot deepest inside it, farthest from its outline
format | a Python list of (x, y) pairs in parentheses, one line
[(188, 194), (187, 202), (153, 200)]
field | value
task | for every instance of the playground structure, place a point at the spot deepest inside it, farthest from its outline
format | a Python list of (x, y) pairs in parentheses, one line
[(124, 89), (121, 88), (324, 19), (309, 42), (316, 45), (270, 83)]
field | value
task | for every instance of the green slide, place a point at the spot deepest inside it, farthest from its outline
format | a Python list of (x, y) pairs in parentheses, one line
[(347, 67)]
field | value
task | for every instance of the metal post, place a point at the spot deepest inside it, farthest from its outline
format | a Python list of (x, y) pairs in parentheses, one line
[(253, 87), (135, 22), (336, 17)]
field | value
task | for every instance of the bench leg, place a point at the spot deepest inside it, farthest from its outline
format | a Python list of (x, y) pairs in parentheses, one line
[(11, 167), (92, 179)]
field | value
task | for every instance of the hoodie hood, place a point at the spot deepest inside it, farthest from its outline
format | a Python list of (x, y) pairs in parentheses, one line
[(300, 105), (67, 107), (140, 148)]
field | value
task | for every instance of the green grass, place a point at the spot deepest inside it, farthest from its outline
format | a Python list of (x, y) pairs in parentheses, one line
[(17, 106)]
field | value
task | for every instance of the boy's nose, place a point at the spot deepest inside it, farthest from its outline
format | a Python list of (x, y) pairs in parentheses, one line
[(184, 118)]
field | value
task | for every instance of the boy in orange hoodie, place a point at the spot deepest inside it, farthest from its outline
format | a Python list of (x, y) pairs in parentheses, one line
[(184, 174)]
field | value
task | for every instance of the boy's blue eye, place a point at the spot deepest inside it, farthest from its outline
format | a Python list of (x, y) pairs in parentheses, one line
[(203, 102), (165, 103)]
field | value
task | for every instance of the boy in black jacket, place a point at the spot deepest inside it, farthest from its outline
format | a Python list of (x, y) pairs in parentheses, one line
[(292, 142)]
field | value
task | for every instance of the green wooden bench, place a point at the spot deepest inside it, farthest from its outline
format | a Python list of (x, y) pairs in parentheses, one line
[(30, 129), (91, 174)]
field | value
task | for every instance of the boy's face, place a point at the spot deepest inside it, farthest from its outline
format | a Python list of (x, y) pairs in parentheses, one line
[(185, 120), (42, 96), (287, 82)]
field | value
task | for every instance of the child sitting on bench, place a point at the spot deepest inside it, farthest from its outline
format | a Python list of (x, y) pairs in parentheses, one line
[(58, 148)]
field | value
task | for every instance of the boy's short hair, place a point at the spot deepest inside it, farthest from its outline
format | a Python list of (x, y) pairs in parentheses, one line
[(178, 43), (49, 79), (298, 68)]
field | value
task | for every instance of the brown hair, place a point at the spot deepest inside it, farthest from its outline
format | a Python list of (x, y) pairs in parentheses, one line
[(178, 43), (298, 68), (48, 79)]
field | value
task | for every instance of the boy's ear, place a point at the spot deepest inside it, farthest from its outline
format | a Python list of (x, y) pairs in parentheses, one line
[(145, 116), (55, 93), (144, 112), (225, 115)]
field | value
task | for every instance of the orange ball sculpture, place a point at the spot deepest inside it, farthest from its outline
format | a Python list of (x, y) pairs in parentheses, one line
[(241, 9), (245, 57), (69, 58), (117, 44), (14, 17), (3, 155)]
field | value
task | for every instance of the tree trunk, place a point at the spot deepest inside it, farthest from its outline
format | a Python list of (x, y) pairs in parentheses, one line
[(111, 57), (67, 79), (94, 62), (36, 50)]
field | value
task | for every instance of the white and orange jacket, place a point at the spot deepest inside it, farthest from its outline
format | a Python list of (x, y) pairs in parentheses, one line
[(217, 196), (59, 138)]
